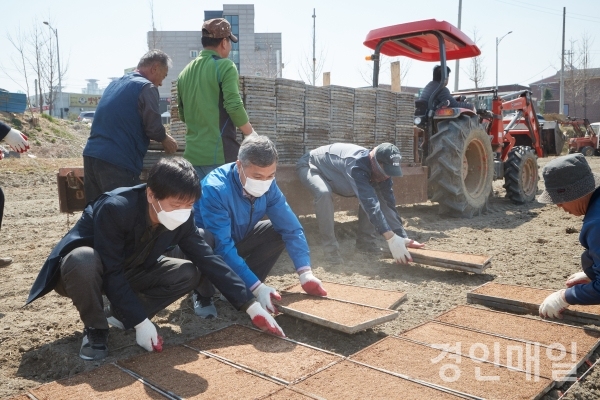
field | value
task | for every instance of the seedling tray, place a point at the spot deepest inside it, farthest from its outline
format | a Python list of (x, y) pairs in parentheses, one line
[(335, 314), (358, 294), (527, 300)]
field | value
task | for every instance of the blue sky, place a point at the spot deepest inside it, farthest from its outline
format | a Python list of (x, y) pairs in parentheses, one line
[(99, 39)]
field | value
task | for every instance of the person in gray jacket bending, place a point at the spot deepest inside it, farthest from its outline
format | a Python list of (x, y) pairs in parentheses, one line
[(353, 171)]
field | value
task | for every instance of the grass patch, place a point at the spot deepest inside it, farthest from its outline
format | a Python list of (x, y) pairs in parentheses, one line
[(61, 133), (16, 123), (37, 143), (48, 117)]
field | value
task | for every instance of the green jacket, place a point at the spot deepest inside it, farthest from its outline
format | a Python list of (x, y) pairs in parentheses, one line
[(208, 96)]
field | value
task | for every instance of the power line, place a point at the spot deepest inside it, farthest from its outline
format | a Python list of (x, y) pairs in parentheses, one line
[(537, 73)]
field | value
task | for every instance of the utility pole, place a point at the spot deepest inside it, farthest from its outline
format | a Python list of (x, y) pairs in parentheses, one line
[(561, 101), (314, 16), (457, 65), (497, 43)]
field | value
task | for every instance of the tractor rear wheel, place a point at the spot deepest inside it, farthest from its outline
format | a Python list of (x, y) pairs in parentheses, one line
[(521, 175), (587, 151), (461, 166)]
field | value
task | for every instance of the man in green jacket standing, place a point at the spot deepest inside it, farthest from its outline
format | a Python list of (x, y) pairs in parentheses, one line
[(209, 103)]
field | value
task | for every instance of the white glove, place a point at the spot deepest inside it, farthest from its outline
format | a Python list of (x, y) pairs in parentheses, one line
[(250, 135), (554, 305), (146, 335), (311, 284), (17, 141), (263, 294), (398, 248), (263, 320), (577, 279)]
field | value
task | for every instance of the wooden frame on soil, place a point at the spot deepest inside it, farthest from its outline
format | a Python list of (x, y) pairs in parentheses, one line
[(427, 257), (279, 380), (579, 379), (521, 307)]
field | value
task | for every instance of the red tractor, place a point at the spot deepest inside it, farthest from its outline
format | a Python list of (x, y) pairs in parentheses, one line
[(586, 140), (463, 148)]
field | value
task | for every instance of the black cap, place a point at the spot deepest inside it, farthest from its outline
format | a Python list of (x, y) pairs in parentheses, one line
[(388, 156)]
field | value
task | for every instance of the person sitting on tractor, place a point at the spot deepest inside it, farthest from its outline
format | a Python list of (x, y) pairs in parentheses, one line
[(572, 186), (443, 97)]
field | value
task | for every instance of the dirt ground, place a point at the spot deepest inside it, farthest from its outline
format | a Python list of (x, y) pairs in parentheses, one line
[(534, 245)]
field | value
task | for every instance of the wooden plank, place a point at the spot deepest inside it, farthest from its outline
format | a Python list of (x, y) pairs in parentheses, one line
[(331, 313), (426, 256), (527, 300), (372, 297)]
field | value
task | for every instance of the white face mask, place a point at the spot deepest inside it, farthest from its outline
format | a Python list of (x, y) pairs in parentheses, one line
[(255, 187), (172, 219)]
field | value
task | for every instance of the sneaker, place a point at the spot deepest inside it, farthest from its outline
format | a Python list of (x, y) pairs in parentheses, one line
[(334, 257), (5, 261), (111, 318), (204, 307), (94, 345)]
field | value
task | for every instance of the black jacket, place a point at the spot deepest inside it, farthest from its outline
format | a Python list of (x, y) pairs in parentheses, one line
[(113, 225)]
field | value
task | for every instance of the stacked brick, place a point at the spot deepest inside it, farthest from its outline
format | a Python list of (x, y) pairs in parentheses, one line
[(300, 117), (364, 117), (405, 111), (290, 119)]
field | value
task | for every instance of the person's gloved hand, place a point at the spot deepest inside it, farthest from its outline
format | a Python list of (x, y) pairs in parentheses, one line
[(250, 135), (170, 144), (17, 141), (397, 246), (263, 320), (263, 294), (413, 244), (577, 279), (146, 335), (311, 284), (554, 305)]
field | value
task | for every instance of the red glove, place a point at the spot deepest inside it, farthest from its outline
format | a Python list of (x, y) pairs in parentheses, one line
[(312, 285), (158, 346), (263, 320), (413, 244)]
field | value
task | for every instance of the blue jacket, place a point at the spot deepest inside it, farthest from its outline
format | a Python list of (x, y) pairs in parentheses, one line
[(229, 216), (114, 225), (4, 129), (118, 136), (589, 238)]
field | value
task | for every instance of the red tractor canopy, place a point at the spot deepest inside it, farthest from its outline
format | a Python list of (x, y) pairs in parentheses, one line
[(419, 40)]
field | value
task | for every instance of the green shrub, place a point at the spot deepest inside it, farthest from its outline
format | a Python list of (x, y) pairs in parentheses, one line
[(37, 143), (16, 123)]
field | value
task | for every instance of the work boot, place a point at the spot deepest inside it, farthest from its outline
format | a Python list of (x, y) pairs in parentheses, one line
[(112, 317), (334, 257), (204, 307), (5, 261), (94, 345)]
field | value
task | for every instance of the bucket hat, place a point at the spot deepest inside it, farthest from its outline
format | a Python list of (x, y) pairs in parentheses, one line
[(568, 178)]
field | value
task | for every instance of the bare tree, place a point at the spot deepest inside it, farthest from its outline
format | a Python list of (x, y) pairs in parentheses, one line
[(476, 70), (366, 72), (585, 63), (268, 61), (306, 66), (19, 42)]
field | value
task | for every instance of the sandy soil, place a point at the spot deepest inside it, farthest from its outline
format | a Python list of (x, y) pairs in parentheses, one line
[(533, 245)]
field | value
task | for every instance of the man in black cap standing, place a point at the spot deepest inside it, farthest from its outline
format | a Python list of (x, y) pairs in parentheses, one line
[(572, 186), (353, 171)]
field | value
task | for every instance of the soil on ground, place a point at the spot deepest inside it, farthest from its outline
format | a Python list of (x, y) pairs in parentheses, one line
[(534, 245)]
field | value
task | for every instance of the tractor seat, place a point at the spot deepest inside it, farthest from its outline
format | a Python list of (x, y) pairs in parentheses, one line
[(421, 107)]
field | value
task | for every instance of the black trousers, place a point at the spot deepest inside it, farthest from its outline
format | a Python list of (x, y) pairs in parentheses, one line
[(101, 177), (260, 249), (1, 206), (156, 287)]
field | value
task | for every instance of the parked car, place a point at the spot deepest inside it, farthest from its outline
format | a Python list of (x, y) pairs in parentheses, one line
[(86, 116)]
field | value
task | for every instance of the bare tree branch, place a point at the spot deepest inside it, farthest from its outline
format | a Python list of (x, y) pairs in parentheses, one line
[(476, 70), (366, 72)]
